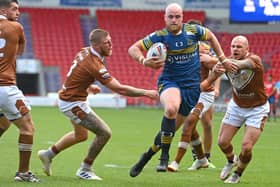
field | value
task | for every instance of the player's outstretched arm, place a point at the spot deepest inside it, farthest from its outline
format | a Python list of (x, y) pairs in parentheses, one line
[(131, 91)]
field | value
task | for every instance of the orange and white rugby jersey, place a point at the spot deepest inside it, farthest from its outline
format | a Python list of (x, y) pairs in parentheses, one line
[(248, 84), (86, 68), (12, 43)]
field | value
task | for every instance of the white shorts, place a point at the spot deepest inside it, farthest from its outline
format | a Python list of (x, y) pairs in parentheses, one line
[(66, 108), (207, 99), (237, 116), (13, 104)]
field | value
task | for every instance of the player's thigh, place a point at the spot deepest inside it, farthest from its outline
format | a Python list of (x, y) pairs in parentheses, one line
[(25, 124), (14, 105), (171, 97), (76, 111), (206, 118), (251, 136), (226, 133), (4, 122)]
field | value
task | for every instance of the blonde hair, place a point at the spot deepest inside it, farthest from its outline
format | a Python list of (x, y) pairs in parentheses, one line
[(96, 35)]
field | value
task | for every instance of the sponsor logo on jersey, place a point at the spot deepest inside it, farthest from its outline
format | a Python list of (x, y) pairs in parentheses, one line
[(180, 59)]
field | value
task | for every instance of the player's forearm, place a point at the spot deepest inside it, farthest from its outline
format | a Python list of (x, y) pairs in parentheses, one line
[(136, 54), (244, 64), (214, 43), (131, 91)]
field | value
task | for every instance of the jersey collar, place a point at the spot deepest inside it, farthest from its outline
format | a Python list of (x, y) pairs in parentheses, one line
[(3, 17), (94, 52)]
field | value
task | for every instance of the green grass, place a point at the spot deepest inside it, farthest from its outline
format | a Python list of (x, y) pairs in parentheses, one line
[(133, 132)]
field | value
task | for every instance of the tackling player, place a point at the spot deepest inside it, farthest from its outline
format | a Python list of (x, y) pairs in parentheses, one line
[(87, 67), (248, 107)]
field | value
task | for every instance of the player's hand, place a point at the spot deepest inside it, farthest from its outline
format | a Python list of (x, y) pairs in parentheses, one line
[(230, 65), (203, 57), (152, 94), (154, 62), (219, 69), (94, 89)]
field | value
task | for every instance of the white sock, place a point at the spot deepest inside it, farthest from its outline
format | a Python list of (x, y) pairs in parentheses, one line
[(85, 165), (50, 153)]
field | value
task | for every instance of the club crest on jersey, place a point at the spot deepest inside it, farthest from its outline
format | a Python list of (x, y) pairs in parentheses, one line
[(179, 44), (241, 79), (190, 42)]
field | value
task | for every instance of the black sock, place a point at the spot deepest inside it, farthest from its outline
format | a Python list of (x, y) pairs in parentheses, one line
[(167, 133), (208, 155)]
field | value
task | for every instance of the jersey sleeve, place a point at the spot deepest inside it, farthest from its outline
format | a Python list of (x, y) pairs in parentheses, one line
[(102, 75), (202, 33), (152, 38), (256, 60)]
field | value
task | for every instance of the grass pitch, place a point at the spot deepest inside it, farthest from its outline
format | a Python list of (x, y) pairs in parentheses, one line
[(133, 132)]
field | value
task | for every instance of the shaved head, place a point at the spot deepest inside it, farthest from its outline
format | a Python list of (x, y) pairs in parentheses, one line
[(241, 39), (173, 18), (173, 7), (239, 47)]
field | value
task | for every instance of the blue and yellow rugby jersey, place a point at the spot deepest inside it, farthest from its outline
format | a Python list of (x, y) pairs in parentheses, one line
[(182, 63)]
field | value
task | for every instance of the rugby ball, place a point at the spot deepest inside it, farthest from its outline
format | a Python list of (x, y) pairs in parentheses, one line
[(157, 50)]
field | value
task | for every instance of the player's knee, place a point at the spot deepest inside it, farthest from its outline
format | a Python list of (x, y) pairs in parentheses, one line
[(81, 137), (107, 134), (247, 147), (197, 109), (26, 127), (171, 112), (195, 135), (222, 143), (186, 136)]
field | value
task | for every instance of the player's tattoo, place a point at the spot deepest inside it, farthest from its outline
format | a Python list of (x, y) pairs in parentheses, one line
[(103, 133)]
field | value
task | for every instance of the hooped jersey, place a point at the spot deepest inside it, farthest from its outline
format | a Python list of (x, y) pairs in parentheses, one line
[(12, 43), (182, 63), (248, 84), (86, 68)]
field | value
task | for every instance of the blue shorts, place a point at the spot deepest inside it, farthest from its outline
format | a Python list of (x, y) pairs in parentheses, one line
[(271, 99), (189, 96)]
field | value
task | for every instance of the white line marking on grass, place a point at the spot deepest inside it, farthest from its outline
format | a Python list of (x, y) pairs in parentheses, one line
[(115, 166), (50, 142)]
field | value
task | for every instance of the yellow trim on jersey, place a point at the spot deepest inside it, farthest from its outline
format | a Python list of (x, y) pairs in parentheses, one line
[(190, 28), (190, 49), (143, 45), (206, 37), (205, 45), (162, 32)]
